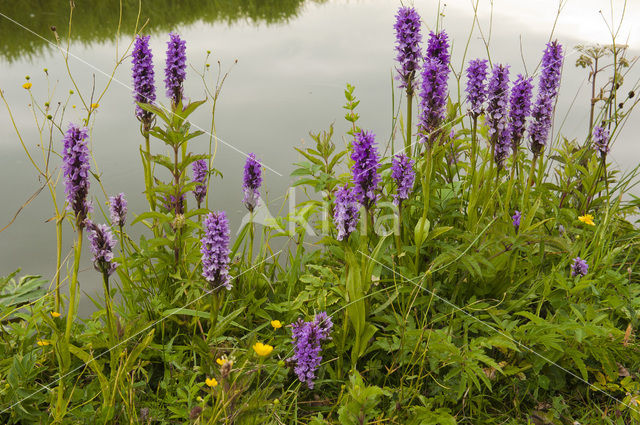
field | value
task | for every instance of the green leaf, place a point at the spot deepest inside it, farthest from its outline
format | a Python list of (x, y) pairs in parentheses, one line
[(133, 357), (310, 157), (27, 289), (426, 416), (421, 231), (190, 108), (160, 112), (163, 160), (186, 312), (90, 361), (437, 232), (162, 218)]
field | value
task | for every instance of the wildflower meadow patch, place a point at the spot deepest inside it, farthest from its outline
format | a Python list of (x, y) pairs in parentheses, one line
[(475, 266)]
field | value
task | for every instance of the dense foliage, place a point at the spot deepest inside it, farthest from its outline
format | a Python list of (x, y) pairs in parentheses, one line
[(448, 275)]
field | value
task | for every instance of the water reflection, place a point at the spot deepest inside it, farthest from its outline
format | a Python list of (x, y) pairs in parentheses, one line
[(96, 21)]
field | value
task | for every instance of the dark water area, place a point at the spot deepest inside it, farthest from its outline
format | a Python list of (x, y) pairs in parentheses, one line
[(95, 21), (294, 59)]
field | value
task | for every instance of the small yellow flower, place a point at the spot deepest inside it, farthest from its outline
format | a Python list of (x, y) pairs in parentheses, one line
[(262, 349), (27, 86), (587, 219), (276, 324), (74, 106), (95, 105), (55, 314), (211, 382), (42, 343)]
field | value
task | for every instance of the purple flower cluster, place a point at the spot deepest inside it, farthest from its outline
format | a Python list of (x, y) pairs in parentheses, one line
[(433, 91), (579, 267), (175, 71), (547, 91), (433, 97), (144, 89), (476, 87), (200, 172), (308, 338), (519, 109), (497, 115), (365, 168), (403, 174), (408, 38), (346, 212), (118, 209), (438, 47), (601, 141), (214, 247), (517, 216), (75, 167), (102, 244), (170, 203), (252, 181)]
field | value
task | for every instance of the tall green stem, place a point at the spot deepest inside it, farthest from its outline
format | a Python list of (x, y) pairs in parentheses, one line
[(149, 175), (471, 186), (474, 146), (540, 176), (426, 190), (73, 286), (216, 304), (507, 204), (108, 306), (58, 261), (251, 238), (370, 224), (407, 142), (123, 249), (345, 330), (345, 322), (529, 183), (177, 200), (398, 230)]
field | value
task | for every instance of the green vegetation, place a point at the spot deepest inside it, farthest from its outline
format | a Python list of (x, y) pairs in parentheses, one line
[(495, 290)]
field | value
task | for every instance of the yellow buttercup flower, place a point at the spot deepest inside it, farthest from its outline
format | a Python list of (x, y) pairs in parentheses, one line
[(262, 349), (55, 314), (276, 324), (95, 105), (587, 219), (211, 382), (42, 343), (27, 86)]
